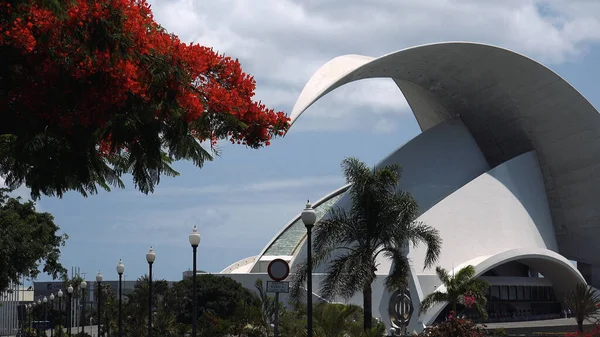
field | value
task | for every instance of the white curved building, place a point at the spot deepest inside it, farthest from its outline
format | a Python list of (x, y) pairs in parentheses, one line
[(504, 168)]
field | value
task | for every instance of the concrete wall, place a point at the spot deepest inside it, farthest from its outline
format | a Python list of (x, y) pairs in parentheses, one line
[(502, 209), (380, 295), (435, 164), (590, 273)]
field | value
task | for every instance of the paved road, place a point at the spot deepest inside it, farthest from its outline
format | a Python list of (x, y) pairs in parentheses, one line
[(531, 324), (91, 330)]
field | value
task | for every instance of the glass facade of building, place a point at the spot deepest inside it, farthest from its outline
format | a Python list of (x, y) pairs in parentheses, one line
[(287, 243), (507, 303)]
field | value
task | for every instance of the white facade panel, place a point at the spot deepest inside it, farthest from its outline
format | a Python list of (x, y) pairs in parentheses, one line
[(503, 209), (434, 165)]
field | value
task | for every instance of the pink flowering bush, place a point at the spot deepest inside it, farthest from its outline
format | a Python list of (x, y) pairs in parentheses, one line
[(455, 327)]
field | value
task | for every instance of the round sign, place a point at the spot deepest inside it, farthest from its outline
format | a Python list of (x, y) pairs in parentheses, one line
[(278, 270)]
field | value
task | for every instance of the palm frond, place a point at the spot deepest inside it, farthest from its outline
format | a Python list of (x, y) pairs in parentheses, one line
[(400, 272), (432, 299), (584, 301), (465, 274), (347, 274), (418, 232), (443, 275)]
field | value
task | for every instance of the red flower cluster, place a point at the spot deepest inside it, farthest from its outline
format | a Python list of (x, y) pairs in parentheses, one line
[(454, 327), (468, 300), (80, 64), (595, 332)]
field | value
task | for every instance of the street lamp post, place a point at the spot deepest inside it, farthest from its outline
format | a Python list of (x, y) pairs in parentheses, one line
[(45, 300), (99, 304), (83, 286), (29, 306), (60, 312), (52, 314), (150, 257), (39, 316), (195, 242), (309, 217), (70, 295), (120, 271)]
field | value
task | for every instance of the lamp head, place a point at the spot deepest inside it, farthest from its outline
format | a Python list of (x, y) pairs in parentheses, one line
[(83, 284), (99, 277), (52, 297), (120, 267), (45, 300), (70, 289), (150, 256), (194, 237), (309, 216), (59, 293)]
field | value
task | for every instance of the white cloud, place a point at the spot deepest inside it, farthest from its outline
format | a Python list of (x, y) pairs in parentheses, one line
[(283, 42), (221, 212), (282, 185), (218, 223)]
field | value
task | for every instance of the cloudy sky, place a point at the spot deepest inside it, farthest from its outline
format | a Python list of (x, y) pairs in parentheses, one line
[(244, 197)]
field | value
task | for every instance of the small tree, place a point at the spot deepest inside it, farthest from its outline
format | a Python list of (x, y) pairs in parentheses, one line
[(584, 302), (268, 305), (461, 288), (27, 239)]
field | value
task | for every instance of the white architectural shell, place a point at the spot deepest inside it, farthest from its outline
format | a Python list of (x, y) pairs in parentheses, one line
[(504, 167)]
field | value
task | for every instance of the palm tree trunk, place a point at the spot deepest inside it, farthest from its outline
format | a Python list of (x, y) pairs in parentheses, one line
[(580, 326), (368, 307)]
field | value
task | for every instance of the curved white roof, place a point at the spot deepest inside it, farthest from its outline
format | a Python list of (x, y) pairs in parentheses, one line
[(550, 264), (511, 105)]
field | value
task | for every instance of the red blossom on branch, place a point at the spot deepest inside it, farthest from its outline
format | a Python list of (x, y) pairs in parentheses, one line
[(104, 72), (468, 300), (215, 83)]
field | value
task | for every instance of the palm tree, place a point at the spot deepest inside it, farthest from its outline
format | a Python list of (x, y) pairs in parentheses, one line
[(379, 221), (136, 306), (457, 286), (334, 320), (584, 302), (268, 304)]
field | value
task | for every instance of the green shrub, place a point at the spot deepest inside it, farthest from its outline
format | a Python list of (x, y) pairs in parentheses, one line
[(500, 332)]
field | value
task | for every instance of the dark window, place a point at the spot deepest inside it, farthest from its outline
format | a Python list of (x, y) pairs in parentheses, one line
[(512, 293), (520, 293), (495, 293), (552, 294), (504, 293), (527, 293)]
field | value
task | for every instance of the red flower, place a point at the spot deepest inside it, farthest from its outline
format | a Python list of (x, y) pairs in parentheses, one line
[(468, 300), (106, 56)]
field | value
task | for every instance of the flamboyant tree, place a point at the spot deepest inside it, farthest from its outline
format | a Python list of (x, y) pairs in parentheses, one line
[(91, 90)]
